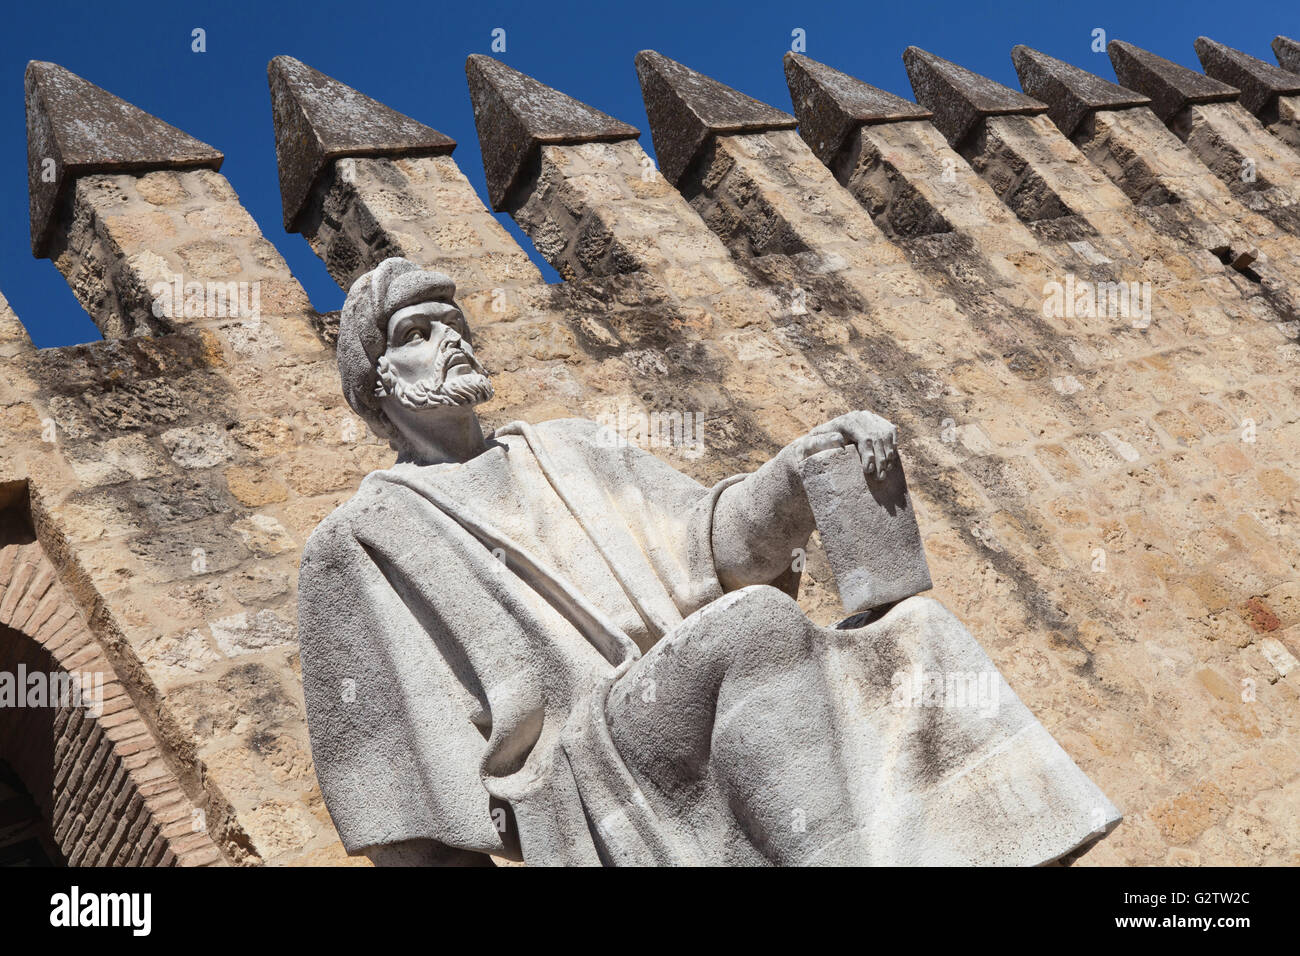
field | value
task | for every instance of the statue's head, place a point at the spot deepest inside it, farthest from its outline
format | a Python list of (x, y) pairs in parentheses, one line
[(404, 353)]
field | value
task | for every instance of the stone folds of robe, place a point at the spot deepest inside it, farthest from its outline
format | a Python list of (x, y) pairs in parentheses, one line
[(465, 629)]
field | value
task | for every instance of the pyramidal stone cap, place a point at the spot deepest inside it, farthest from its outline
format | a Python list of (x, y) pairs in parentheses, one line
[(1260, 82), (1071, 94), (74, 128), (686, 108), (515, 115), (1287, 52), (960, 98), (1170, 86), (830, 105), (318, 120)]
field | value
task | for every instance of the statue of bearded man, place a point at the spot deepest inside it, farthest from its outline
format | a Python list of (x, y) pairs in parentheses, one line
[(539, 645)]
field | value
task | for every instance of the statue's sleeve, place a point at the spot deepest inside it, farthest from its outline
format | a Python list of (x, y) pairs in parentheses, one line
[(388, 687), (669, 496), (668, 513)]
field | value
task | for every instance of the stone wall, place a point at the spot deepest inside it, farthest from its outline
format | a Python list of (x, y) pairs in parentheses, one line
[(92, 764), (1108, 501)]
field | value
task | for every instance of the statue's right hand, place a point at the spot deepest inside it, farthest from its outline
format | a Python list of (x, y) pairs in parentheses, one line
[(875, 439)]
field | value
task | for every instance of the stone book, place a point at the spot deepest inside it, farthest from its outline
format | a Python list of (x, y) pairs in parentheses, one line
[(868, 529)]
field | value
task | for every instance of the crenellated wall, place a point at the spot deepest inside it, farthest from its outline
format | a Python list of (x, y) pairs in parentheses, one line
[(1108, 500)]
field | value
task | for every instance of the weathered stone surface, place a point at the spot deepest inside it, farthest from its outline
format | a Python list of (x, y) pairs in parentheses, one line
[(423, 208), (1170, 86), (81, 129), (243, 701), (1250, 157), (249, 633), (83, 750), (318, 120), (1070, 93), (868, 528), (1287, 52), (515, 115), (686, 108), (899, 157), (159, 420), (200, 446), (960, 98), (1260, 83), (567, 494), (1033, 441), (831, 104)]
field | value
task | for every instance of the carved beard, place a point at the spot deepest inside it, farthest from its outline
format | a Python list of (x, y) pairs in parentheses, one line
[(468, 388)]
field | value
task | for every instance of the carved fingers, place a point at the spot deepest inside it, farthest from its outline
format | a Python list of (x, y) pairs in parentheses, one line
[(875, 439)]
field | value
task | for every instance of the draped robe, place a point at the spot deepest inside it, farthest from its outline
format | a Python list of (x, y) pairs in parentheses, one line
[(464, 628)]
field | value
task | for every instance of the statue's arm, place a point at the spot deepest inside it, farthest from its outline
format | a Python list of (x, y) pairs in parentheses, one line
[(760, 521)]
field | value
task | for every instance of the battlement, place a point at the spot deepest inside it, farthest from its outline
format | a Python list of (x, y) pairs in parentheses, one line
[(1079, 302)]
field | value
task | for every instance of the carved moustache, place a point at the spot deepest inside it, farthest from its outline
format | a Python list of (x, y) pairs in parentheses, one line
[(435, 389)]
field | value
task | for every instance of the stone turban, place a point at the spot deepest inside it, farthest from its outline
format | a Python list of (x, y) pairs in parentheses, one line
[(363, 328)]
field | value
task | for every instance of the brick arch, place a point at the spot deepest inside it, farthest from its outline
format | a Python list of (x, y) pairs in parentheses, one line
[(101, 782)]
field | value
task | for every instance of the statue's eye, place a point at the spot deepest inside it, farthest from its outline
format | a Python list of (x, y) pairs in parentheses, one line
[(413, 335)]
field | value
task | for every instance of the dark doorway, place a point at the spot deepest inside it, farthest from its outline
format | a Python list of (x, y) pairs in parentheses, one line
[(25, 837)]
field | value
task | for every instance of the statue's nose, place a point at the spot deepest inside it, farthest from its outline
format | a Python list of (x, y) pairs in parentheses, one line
[(438, 331)]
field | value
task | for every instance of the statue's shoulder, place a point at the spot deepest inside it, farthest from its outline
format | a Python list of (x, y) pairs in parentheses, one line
[(333, 534), (339, 529), (572, 429)]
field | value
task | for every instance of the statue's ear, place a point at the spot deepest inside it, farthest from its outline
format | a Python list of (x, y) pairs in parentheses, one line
[(377, 419)]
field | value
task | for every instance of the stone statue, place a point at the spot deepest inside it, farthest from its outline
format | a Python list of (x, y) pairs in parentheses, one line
[(540, 645)]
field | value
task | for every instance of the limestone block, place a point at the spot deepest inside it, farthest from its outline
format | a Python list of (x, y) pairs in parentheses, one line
[(248, 633)]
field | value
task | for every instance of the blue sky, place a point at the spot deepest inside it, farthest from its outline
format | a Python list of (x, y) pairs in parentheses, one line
[(412, 55)]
